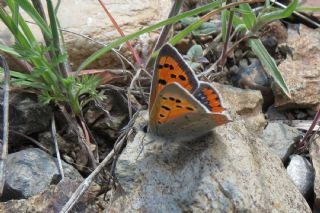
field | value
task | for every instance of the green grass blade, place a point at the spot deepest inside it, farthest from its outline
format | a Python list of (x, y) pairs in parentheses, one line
[(9, 50), (7, 20), (269, 64), (121, 40), (308, 9), (275, 15), (33, 13), (249, 18)]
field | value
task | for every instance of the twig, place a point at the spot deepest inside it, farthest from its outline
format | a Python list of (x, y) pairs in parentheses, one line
[(86, 183), (314, 122), (5, 136), (54, 136), (136, 76), (225, 47), (134, 52), (30, 139), (297, 14)]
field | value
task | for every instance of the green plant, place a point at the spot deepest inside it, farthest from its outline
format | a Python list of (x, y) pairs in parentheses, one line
[(245, 19), (49, 75), (195, 57)]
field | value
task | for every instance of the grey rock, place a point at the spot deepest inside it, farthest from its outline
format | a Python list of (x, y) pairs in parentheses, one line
[(301, 172), (228, 170), (274, 114), (26, 114), (280, 138), (31, 171)]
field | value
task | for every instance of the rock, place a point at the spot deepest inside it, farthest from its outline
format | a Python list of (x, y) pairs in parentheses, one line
[(229, 170), (315, 159), (302, 174), (270, 43), (301, 71), (31, 171), (280, 138), (274, 114), (246, 103), (275, 29), (26, 114), (254, 77), (52, 200), (87, 18), (107, 119), (45, 138)]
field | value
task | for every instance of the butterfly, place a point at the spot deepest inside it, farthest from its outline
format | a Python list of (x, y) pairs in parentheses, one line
[(180, 105)]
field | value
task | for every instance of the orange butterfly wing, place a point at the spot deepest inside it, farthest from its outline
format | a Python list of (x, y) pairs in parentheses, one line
[(173, 102), (209, 97), (170, 67), (178, 114)]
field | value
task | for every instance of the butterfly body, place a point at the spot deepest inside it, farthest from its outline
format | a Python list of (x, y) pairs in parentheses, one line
[(180, 105)]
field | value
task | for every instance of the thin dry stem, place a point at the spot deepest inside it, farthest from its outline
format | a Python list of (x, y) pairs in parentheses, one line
[(134, 52), (5, 136), (55, 141)]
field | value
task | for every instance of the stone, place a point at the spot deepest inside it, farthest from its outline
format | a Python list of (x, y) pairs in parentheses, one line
[(280, 138), (53, 199), (86, 27), (301, 173), (254, 77), (31, 171), (246, 103), (315, 159), (301, 72), (26, 114), (274, 114), (228, 170), (274, 29)]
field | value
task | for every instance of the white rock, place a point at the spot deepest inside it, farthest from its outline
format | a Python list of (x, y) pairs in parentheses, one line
[(301, 172)]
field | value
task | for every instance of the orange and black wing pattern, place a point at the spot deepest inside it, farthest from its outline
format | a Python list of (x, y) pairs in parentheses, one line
[(172, 103), (170, 68), (209, 97)]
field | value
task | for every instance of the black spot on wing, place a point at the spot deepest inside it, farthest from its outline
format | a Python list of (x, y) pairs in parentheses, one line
[(163, 82), (182, 77), (165, 108)]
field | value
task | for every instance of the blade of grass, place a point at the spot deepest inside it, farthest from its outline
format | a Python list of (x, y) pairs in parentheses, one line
[(249, 18), (121, 40), (204, 18), (269, 64), (9, 50), (33, 13)]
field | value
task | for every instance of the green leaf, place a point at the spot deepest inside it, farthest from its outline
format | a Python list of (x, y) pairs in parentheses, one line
[(269, 64), (206, 28), (195, 51), (275, 15), (248, 16)]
